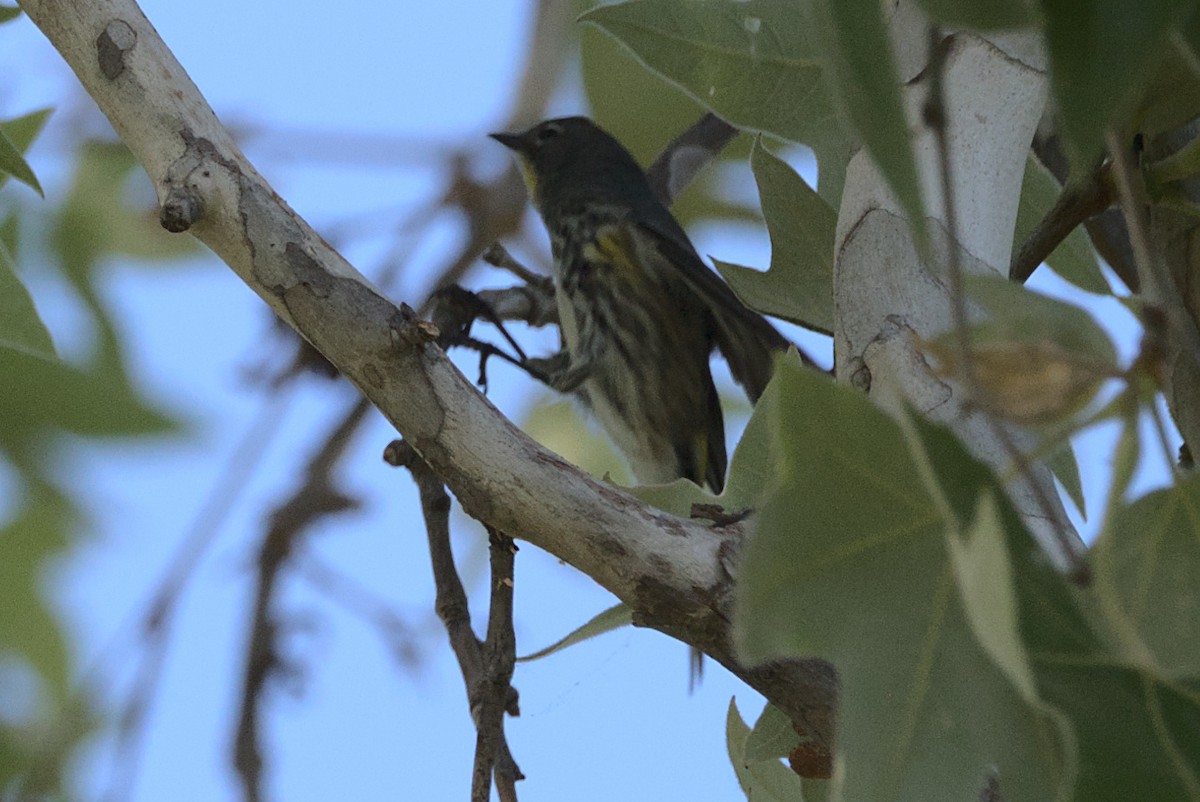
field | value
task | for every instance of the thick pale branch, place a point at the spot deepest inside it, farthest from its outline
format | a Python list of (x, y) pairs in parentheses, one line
[(670, 570)]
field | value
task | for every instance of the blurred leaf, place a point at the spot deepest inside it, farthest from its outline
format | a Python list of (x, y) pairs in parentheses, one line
[(27, 627), (773, 736), (21, 328), (24, 129), (761, 780), (852, 37), (615, 617), (8, 13), (1172, 96), (560, 428), (799, 286), (1150, 556), (1062, 463), (981, 15), (749, 62), (1037, 359), (1073, 259), (1103, 53), (848, 561), (97, 218), (14, 164), (10, 234), (40, 395)]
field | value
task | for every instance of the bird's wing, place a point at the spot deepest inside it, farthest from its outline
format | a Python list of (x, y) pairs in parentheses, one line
[(745, 338)]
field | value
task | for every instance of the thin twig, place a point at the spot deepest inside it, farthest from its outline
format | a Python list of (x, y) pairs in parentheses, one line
[(393, 627), (314, 498), (481, 664), (500, 658), (1077, 203), (1156, 285)]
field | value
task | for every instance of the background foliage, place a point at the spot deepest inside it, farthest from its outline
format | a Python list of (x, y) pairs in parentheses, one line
[(881, 544)]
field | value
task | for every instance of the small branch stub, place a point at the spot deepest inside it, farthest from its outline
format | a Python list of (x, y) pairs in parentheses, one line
[(182, 208)]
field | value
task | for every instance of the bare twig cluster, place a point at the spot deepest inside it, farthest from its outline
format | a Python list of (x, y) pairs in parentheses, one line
[(487, 666)]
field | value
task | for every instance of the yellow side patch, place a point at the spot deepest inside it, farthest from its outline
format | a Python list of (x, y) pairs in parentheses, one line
[(614, 246), (530, 177)]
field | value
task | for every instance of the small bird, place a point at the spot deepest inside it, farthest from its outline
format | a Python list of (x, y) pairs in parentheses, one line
[(640, 313)]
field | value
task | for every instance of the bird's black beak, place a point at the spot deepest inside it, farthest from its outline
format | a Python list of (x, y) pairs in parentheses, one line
[(516, 142)]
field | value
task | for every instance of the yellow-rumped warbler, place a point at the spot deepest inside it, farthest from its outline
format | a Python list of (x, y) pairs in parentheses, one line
[(639, 312)]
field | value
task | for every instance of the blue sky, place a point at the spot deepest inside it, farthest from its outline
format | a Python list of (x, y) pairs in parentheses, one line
[(611, 718)]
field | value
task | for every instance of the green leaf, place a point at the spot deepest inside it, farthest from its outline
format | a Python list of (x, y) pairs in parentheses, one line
[(98, 219), (985, 581), (773, 736), (1103, 53), (1073, 259), (27, 545), (981, 15), (8, 13), (761, 780), (853, 40), (848, 561), (622, 94), (47, 395), (799, 286), (750, 62), (1172, 96), (24, 129), (21, 328), (1150, 557), (615, 617), (1062, 463), (14, 164), (1136, 734)]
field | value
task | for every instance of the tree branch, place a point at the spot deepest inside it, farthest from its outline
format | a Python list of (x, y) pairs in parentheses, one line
[(673, 572)]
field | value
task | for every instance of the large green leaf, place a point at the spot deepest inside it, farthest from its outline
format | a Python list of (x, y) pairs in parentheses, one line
[(623, 94), (1103, 53), (1149, 557), (9, 13), (43, 395), (849, 561), (1073, 259), (21, 328), (1135, 732), (799, 286), (27, 627), (750, 62)]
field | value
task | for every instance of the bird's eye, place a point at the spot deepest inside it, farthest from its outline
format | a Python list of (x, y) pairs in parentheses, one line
[(548, 132)]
